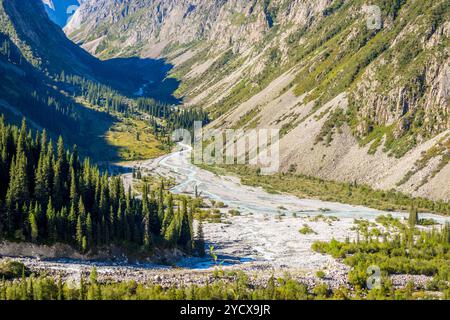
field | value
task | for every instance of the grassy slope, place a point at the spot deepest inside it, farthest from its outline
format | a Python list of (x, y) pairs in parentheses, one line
[(134, 140)]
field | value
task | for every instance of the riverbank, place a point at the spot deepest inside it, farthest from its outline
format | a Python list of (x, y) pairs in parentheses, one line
[(258, 275), (261, 227), (314, 188), (107, 254), (259, 234)]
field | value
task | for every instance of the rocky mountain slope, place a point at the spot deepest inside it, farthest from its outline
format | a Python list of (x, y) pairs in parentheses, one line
[(353, 102)]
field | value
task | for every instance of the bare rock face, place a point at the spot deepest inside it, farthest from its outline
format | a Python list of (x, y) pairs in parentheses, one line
[(147, 23)]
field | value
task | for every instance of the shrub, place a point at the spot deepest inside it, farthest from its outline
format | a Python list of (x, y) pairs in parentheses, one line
[(320, 274), (12, 269), (307, 230)]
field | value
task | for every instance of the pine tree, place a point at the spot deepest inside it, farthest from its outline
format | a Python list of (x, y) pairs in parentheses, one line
[(171, 233), (84, 245), (82, 210), (44, 175), (161, 203), (94, 291), (73, 187), (63, 230), (120, 222), (72, 222), (82, 206), (51, 221), (18, 186), (34, 226), (89, 229), (446, 233), (155, 223), (60, 177), (112, 226), (18, 194), (413, 217), (60, 294), (184, 238), (200, 240), (82, 290), (21, 141), (23, 286), (80, 233), (169, 214), (146, 217)]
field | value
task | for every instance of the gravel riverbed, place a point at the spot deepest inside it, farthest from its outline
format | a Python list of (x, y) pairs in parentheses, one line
[(263, 240)]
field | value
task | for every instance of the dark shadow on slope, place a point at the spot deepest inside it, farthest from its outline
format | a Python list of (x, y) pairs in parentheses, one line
[(141, 77), (27, 92), (57, 53), (30, 90)]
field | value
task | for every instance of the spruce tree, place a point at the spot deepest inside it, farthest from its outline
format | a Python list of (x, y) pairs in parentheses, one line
[(146, 217), (80, 233), (200, 240), (60, 175), (33, 226), (51, 221), (413, 219), (169, 214), (89, 229), (18, 186), (94, 291), (184, 238), (161, 203)]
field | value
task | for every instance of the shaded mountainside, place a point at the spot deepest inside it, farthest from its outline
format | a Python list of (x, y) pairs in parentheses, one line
[(47, 48), (49, 80), (353, 103)]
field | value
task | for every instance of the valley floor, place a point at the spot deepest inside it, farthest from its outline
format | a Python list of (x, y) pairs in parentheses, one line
[(259, 274), (259, 234), (260, 228)]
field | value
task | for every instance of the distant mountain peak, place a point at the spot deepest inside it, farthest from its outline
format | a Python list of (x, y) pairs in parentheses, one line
[(61, 11)]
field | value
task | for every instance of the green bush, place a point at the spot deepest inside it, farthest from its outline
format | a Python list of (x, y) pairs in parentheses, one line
[(10, 269)]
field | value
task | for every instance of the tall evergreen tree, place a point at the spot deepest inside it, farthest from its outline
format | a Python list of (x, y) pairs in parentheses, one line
[(184, 238), (169, 214), (51, 221), (34, 225), (413, 217), (200, 240), (80, 233)]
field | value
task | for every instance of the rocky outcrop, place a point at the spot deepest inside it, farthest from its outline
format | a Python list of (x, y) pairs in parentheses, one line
[(148, 26)]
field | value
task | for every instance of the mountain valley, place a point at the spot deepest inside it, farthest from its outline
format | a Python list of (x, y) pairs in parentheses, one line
[(102, 193), (353, 104)]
